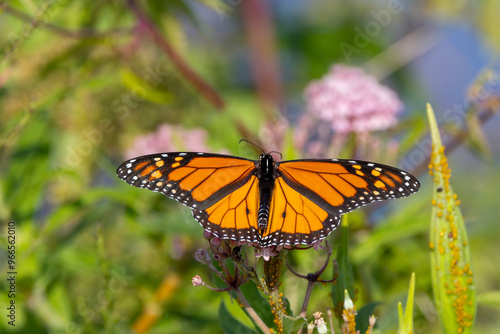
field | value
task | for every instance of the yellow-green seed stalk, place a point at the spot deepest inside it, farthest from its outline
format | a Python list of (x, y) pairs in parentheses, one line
[(348, 315), (452, 276)]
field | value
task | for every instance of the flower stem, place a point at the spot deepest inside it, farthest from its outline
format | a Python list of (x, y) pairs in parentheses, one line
[(303, 311)]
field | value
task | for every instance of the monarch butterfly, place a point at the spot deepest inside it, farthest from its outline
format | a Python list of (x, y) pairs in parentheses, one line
[(264, 201)]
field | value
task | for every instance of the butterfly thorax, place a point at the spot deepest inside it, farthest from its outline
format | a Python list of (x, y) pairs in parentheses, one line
[(265, 173)]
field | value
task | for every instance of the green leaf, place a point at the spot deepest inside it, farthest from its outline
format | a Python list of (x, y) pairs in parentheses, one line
[(145, 88), (60, 301), (293, 324), (451, 267), (258, 303), (406, 319), (345, 279), (230, 324), (363, 316)]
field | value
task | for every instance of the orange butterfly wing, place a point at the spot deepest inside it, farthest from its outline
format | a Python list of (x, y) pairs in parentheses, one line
[(221, 190), (310, 196)]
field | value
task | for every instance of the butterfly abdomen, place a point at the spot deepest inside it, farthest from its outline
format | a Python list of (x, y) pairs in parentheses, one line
[(265, 202)]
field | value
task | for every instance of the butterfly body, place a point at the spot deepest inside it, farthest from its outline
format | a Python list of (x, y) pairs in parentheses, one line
[(266, 202), (266, 175)]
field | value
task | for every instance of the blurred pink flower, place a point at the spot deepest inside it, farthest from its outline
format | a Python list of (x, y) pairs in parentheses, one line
[(352, 101), (169, 138)]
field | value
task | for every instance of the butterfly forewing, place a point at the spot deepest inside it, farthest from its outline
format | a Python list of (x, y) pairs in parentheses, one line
[(221, 190), (340, 186)]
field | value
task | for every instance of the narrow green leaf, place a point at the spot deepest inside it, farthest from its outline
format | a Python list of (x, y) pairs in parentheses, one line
[(451, 267), (230, 324), (345, 279), (406, 320), (400, 314)]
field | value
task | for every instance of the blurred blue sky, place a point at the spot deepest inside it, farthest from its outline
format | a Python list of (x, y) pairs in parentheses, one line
[(446, 70)]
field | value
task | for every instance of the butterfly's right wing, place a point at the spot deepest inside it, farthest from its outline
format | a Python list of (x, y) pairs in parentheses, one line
[(310, 196)]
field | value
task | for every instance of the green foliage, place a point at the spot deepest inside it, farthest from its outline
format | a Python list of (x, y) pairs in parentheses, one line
[(229, 324)]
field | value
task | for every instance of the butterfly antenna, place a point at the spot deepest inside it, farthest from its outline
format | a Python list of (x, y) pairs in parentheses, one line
[(246, 141), (281, 155)]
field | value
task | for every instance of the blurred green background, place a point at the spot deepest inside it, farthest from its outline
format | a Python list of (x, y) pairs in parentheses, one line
[(81, 81)]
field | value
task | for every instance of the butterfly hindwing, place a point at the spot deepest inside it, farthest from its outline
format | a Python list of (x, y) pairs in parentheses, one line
[(221, 190), (234, 216), (295, 219), (340, 186)]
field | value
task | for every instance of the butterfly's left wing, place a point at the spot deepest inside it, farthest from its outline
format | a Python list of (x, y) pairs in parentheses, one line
[(221, 190), (311, 195)]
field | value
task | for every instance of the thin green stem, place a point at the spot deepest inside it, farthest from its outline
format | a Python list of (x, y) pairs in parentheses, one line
[(251, 312), (207, 91)]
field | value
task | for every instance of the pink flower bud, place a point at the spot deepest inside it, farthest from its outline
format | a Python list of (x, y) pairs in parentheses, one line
[(197, 281), (215, 242), (207, 235)]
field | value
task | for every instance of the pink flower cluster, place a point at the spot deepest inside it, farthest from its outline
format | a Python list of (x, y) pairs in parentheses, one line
[(169, 138), (352, 101)]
